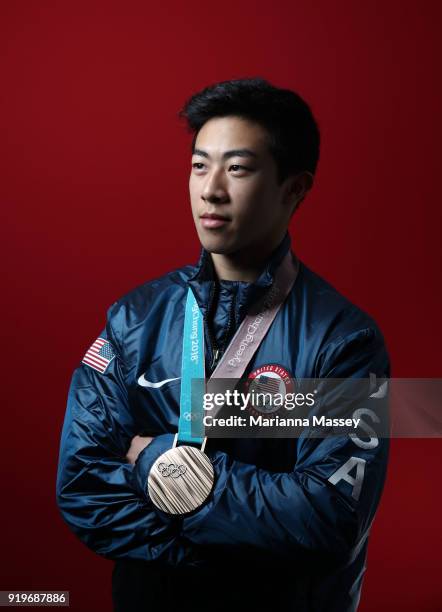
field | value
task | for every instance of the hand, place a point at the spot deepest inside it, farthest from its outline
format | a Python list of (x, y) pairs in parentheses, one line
[(136, 446)]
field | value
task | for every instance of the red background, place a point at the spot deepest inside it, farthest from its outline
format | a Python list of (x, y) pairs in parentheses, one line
[(94, 201)]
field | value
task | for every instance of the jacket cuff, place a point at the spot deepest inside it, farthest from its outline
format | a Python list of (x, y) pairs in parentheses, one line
[(147, 457)]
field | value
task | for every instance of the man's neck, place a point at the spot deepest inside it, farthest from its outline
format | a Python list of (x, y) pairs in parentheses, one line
[(244, 265)]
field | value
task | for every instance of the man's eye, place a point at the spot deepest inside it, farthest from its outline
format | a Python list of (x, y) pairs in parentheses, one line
[(237, 167), (198, 165)]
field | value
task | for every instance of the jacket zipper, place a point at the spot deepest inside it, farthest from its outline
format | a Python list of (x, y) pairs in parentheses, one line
[(216, 351), (206, 321)]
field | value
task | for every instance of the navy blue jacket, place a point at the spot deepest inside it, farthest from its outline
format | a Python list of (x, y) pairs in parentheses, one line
[(290, 502)]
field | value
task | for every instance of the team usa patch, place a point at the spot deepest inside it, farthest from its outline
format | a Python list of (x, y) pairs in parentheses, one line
[(269, 380), (99, 355)]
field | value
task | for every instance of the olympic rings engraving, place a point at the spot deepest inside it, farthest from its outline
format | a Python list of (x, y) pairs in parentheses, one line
[(172, 470)]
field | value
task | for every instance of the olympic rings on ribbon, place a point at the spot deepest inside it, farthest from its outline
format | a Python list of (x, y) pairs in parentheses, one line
[(172, 470)]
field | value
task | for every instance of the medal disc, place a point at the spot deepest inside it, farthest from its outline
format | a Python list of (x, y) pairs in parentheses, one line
[(180, 480)]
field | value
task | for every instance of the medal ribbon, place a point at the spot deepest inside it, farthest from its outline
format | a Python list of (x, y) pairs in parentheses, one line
[(238, 354)]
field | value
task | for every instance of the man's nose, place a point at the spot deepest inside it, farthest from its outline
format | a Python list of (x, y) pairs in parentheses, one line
[(214, 190)]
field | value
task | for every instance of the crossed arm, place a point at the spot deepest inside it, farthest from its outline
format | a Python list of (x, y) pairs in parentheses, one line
[(104, 463)]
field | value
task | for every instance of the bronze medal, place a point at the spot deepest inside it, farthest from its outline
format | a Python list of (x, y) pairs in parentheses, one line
[(180, 480)]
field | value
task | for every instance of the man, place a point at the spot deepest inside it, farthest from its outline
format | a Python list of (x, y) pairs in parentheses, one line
[(286, 521)]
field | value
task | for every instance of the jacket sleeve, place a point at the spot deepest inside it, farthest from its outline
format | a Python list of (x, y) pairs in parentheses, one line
[(97, 491), (327, 503)]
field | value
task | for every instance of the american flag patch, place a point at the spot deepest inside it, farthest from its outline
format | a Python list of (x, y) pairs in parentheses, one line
[(99, 355)]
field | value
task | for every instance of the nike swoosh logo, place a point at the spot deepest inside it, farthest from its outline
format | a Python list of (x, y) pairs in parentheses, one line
[(154, 385)]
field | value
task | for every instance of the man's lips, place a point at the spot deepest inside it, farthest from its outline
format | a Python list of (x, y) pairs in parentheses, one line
[(213, 221)]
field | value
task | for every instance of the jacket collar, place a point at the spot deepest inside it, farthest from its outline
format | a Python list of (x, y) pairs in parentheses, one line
[(203, 280)]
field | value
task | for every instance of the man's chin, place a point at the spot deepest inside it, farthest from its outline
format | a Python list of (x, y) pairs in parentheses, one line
[(218, 245), (218, 250)]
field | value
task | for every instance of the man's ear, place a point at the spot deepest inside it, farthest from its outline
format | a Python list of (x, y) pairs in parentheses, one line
[(298, 187)]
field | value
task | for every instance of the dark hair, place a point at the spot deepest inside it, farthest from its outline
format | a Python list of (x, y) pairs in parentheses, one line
[(293, 132)]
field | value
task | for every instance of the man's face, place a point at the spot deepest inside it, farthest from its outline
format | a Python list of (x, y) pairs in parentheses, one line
[(236, 200)]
